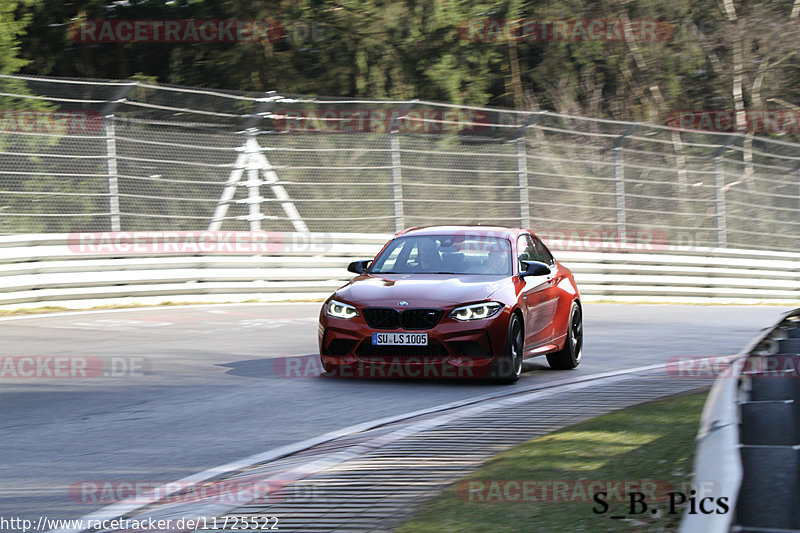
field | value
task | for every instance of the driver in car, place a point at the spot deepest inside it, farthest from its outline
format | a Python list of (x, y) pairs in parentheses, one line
[(428, 256)]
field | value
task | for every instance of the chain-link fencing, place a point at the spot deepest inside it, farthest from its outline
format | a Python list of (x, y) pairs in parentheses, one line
[(92, 155)]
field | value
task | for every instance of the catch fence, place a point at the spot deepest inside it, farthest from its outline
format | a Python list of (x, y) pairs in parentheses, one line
[(81, 155)]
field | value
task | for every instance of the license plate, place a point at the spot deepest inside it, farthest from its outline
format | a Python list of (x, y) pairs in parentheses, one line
[(399, 339)]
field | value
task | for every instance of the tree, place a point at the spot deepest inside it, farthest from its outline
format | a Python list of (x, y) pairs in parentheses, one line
[(14, 19)]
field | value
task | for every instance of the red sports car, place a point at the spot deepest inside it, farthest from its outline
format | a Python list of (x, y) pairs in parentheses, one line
[(453, 301)]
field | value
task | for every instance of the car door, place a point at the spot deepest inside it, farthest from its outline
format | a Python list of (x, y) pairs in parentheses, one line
[(539, 296), (554, 294)]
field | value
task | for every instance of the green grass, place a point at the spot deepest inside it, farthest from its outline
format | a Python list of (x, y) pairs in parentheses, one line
[(653, 441)]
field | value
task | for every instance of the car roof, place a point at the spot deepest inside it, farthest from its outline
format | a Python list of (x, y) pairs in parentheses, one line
[(483, 231)]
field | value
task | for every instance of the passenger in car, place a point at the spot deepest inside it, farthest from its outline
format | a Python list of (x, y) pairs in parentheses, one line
[(497, 262)]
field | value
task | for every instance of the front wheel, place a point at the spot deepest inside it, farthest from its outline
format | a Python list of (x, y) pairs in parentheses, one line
[(508, 368), (570, 356)]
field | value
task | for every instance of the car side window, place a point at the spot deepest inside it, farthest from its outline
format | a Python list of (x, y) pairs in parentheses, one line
[(525, 249), (390, 262), (542, 252)]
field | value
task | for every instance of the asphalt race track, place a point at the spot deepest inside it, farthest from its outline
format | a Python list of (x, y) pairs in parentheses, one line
[(196, 387)]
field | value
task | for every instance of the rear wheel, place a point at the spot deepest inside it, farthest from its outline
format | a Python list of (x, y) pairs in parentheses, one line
[(508, 368), (570, 355)]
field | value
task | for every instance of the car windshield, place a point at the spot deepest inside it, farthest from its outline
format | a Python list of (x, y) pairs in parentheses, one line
[(445, 254)]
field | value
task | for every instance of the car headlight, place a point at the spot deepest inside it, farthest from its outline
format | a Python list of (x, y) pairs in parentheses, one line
[(476, 311), (340, 310)]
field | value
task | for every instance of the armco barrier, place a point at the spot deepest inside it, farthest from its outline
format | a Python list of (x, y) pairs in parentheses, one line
[(748, 446), (63, 270)]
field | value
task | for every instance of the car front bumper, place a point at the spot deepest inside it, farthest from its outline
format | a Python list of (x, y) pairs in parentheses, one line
[(455, 348)]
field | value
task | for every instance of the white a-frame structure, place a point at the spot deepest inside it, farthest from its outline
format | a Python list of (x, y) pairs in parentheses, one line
[(253, 160)]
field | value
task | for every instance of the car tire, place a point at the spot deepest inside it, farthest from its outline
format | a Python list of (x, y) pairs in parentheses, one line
[(570, 356), (508, 368)]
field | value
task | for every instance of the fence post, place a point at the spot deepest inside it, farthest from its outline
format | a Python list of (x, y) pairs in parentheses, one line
[(111, 153), (397, 182), (113, 176), (719, 185), (797, 214), (522, 169), (722, 237), (397, 174), (619, 182)]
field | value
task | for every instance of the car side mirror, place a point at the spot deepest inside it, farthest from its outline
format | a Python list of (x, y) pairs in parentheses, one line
[(534, 268), (358, 267)]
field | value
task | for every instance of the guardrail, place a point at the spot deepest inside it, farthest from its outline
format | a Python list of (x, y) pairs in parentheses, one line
[(151, 267), (748, 446)]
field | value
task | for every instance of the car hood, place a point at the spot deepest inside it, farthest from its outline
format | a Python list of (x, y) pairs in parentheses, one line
[(419, 290)]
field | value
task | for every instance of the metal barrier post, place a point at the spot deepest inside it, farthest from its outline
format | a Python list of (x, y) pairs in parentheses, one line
[(722, 232), (522, 168), (111, 155), (719, 184), (619, 181), (113, 177), (397, 182)]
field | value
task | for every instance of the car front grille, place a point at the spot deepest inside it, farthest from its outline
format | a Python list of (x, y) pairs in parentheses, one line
[(379, 318), (386, 318), (420, 318)]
